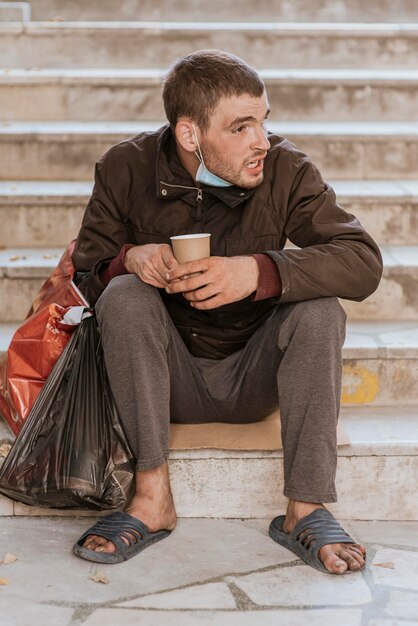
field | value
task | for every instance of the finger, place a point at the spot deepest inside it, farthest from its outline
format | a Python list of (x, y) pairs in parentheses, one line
[(169, 260), (191, 267), (198, 295), (154, 280), (189, 284), (210, 303)]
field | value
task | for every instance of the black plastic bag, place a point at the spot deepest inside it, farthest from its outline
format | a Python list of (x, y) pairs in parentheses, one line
[(72, 451)]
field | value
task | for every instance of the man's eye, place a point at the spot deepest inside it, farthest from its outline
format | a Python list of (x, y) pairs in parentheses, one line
[(239, 130)]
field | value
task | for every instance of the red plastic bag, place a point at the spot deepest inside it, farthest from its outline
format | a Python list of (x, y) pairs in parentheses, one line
[(38, 343)]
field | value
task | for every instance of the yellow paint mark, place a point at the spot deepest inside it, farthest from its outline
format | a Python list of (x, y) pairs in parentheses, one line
[(360, 385)]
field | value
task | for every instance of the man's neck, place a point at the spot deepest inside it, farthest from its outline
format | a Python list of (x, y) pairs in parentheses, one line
[(188, 160)]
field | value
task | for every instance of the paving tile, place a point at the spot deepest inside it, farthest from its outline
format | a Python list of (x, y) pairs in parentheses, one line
[(210, 596), (405, 572), (303, 586), (23, 613), (6, 505), (390, 533), (402, 604), (198, 551), (132, 617), (391, 622)]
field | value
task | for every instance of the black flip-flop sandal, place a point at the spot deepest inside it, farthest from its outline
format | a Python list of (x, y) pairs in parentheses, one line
[(317, 529), (114, 528)]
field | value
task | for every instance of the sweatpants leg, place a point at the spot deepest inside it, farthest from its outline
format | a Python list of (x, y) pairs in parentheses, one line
[(152, 374), (294, 361)]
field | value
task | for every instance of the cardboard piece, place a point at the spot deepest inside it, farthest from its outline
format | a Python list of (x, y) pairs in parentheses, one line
[(264, 435)]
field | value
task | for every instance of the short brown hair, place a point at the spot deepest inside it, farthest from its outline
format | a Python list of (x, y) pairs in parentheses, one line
[(195, 84)]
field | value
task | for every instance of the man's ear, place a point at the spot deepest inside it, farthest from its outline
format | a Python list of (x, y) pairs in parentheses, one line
[(185, 134)]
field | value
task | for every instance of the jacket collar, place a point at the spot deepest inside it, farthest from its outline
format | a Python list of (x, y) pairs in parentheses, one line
[(173, 181)]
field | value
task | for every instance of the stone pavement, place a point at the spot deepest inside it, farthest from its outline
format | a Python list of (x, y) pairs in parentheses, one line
[(209, 571)]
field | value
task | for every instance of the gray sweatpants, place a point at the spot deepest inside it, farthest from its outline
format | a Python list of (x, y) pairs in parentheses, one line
[(294, 361)]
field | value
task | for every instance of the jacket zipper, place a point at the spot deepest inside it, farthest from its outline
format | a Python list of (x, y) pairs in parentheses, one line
[(180, 186), (200, 214)]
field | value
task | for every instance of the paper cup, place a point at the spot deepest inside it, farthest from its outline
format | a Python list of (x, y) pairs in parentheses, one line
[(191, 247)]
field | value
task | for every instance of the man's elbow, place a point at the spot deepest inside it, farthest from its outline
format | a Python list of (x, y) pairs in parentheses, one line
[(369, 281)]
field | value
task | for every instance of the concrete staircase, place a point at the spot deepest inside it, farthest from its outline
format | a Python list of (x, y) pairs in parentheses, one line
[(342, 80)]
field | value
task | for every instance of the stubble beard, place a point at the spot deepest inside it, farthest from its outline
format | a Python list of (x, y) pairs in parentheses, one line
[(217, 166)]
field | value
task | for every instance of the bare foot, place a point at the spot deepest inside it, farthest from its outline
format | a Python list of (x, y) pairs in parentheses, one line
[(336, 557), (152, 503)]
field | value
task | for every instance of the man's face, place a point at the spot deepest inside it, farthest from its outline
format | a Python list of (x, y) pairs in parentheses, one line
[(235, 144)]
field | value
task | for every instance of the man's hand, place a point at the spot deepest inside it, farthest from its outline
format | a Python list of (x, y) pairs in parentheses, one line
[(151, 262), (222, 280)]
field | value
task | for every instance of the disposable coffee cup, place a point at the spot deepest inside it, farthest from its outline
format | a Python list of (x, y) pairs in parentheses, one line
[(191, 247)]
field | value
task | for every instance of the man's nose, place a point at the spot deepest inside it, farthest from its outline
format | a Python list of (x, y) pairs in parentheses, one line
[(260, 141)]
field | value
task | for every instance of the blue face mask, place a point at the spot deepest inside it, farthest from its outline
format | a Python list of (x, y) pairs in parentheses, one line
[(203, 175)]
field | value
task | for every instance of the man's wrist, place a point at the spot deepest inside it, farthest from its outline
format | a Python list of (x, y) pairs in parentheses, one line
[(127, 258), (254, 273)]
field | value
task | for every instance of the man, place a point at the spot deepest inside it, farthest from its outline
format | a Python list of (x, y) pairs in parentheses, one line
[(231, 337)]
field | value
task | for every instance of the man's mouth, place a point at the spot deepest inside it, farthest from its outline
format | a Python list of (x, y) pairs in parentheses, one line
[(256, 166)]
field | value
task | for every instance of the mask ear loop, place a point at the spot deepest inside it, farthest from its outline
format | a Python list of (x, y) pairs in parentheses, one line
[(199, 152)]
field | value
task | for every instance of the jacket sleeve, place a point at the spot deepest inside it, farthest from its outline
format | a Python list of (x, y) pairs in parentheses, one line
[(336, 256), (103, 232)]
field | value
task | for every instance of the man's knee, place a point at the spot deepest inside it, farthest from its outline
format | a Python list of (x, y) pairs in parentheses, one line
[(321, 314), (126, 295)]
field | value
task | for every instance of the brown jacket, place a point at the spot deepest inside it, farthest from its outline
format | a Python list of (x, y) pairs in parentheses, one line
[(142, 194)]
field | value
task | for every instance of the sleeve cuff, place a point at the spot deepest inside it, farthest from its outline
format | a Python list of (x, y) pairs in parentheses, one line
[(116, 267), (269, 281)]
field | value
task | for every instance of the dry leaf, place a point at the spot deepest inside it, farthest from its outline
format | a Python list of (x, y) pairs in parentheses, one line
[(47, 256), (4, 581), (9, 558), (56, 18), (17, 258), (5, 449), (100, 577), (388, 565)]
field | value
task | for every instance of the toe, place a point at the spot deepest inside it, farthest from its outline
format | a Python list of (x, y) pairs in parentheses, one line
[(332, 561), (353, 560), (359, 556), (108, 546), (359, 547), (93, 541)]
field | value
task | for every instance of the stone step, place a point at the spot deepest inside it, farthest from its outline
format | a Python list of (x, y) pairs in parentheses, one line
[(216, 10), (346, 150), (34, 213), (15, 11), (158, 44), (122, 94), (398, 288), (376, 476), (22, 271)]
